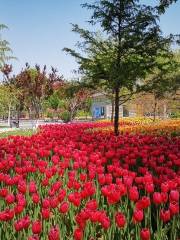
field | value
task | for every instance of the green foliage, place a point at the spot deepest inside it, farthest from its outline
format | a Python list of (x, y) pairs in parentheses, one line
[(66, 101), (82, 113), (49, 114), (175, 114), (36, 86), (65, 116), (5, 50), (129, 52), (8, 99), (72, 98), (54, 101), (164, 4), (175, 134), (165, 81)]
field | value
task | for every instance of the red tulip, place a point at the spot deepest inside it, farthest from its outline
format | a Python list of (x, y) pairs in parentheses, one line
[(145, 234), (36, 227), (157, 198), (23, 223), (92, 205), (83, 177), (138, 216), (10, 198), (133, 194), (35, 198), (105, 222), (54, 202), (174, 208), (120, 220), (165, 215), (45, 182), (149, 187), (32, 187), (54, 234), (164, 197), (64, 207), (3, 192), (18, 209), (46, 214), (174, 196), (22, 187), (164, 187), (78, 234)]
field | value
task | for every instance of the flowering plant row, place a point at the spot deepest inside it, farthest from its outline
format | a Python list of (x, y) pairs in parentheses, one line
[(160, 127), (69, 183)]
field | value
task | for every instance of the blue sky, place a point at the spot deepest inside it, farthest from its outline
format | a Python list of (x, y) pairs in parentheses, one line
[(39, 29)]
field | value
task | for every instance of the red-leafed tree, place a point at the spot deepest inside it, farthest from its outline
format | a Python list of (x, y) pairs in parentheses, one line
[(35, 85)]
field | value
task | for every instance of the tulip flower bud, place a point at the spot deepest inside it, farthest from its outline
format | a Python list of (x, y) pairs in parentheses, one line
[(36, 227), (145, 234)]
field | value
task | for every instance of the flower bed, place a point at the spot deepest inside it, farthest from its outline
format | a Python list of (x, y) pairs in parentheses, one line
[(69, 183), (160, 127)]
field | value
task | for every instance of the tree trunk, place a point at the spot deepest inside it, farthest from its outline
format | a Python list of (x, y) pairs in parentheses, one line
[(29, 113), (18, 116), (112, 113), (155, 106), (164, 111), (116, 115), (37, 112), (70, 116), (9, 115), (36, 108), (72, 113)]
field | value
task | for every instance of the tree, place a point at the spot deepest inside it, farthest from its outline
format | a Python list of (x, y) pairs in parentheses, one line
[(10, 95), (8, 100), (5, 50), (54, 101), (52, 104), (164, 4), (164, 81), (35, 86), (134, 40), (72, 98)]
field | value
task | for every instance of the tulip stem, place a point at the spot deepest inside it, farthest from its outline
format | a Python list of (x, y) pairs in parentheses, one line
[(173, 230), (159, 226)]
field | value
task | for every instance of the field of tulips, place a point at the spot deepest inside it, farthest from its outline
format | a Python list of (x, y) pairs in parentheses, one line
[(144, 126), (70, 182)]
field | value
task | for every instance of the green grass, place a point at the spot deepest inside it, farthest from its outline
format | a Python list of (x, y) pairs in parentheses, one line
[(28, 132)]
